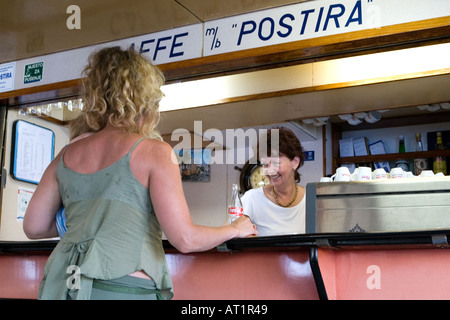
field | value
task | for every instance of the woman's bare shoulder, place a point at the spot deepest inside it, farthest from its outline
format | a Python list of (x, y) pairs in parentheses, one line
[(156, 150), (151, 145)]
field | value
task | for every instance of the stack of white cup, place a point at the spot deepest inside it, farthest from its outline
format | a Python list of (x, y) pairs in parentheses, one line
[(365, 174)]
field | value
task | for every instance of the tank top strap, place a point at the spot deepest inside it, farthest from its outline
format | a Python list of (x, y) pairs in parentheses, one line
[(63, 151), (136, 144)]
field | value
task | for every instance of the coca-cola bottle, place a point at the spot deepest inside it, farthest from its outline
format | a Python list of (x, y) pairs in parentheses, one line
[(235, 208)]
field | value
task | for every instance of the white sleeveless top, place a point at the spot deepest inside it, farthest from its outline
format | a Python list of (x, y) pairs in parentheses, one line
[(271, 219)]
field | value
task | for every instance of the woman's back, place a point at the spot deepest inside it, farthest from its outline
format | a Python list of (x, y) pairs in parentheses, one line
[(117, 197), (112, 229), (106, 147)]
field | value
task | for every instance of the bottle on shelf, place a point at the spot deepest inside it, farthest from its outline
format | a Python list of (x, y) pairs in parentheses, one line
[(402, 163), (439, 163), (235, 208), (421, 163)]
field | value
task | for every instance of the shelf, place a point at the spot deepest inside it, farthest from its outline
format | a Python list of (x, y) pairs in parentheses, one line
[(394, 156)]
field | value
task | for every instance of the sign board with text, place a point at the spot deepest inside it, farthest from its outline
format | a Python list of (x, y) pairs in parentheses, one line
[(33, 72), (7, 72), (285, 24)]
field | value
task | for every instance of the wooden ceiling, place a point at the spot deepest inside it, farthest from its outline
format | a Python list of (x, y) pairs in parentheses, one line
[(37, 27)]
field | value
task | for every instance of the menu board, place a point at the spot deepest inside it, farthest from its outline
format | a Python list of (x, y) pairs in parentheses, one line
[(32, 151)]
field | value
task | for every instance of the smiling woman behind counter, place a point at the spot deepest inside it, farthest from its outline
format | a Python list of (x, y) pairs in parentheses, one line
[(279, 208)]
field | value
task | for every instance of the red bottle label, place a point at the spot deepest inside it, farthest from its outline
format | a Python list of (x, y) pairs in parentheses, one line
[(236, 211)]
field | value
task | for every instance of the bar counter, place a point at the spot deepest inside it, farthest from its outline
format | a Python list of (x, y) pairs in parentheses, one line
[(382, 265)]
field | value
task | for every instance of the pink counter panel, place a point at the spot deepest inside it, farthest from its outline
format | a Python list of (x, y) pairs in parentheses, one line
[(386, 274), (394, 266), (243, 275)]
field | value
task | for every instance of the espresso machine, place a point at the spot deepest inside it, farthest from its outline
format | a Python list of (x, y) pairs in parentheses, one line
[(391, 205)]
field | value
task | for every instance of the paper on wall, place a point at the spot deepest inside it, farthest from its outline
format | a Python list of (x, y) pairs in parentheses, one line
[(23, 199)]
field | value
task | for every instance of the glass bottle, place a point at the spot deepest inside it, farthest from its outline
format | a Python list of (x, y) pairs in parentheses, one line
[(402, 163), (439, 163), (235, 208), (421, 163)]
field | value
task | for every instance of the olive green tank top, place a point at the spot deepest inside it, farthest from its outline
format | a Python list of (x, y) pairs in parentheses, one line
[(112, 231)]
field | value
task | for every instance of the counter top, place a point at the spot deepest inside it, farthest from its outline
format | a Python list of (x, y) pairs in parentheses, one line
[(342, 241), (337, 241)]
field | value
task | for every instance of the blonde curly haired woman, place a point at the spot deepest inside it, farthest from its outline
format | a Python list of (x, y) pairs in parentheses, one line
[(120, 187)]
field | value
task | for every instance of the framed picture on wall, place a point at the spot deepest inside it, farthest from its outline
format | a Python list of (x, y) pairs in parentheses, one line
[(194, 164), (32, 150)]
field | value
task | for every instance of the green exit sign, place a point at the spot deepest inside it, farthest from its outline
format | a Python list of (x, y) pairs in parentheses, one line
[(33, 72)]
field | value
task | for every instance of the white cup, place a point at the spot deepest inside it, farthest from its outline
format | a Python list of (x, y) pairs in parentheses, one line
[(346, 117), (354, 121), (308, 121), (433, 107), (379, 174), (360, 115), (342, 174), (426, 173), (398, 173), (409, 174), (319, 123), (373, 116), (362, 174), (326, 179)]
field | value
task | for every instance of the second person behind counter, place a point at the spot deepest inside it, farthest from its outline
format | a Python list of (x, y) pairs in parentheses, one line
[(279, 208)]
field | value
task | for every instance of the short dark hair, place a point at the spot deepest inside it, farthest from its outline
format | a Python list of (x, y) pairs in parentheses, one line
[(288, 145)]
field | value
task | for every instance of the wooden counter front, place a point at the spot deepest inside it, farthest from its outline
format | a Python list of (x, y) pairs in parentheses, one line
[(241, 276), (394, 265), (277, 275)]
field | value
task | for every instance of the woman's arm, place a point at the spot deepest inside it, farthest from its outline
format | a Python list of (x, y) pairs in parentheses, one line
[(171, 209), (39, 220)]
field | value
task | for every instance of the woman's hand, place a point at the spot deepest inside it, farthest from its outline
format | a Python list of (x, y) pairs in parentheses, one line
[(245, 226)]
